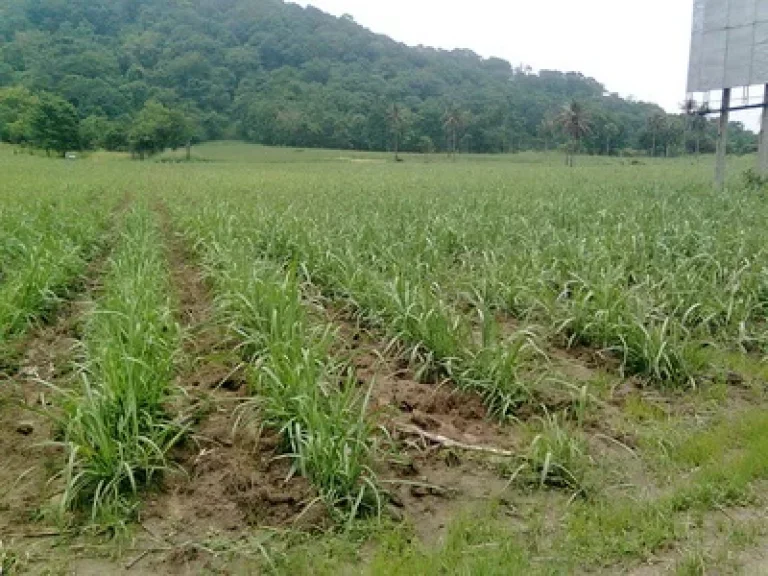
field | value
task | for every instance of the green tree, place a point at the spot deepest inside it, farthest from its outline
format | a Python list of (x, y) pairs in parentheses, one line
[(674, 133), (16, 105), (426, 145), (93, 131), (575, 122), (657, 124), (156, 128), (611, 131), (54, 125), (547, 130), (688, 108), (699, 127), (452, 122), (399, 120)]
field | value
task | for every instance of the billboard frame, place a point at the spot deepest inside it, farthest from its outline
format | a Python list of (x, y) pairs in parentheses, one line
[(717, 21)]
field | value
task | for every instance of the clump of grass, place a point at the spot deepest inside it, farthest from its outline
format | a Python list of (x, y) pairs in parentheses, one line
[(494, 372), (603, 532), (556, 457), (115, 428), (660, 351), (11, 562)]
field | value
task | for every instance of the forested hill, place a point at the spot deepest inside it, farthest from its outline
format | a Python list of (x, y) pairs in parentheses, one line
[(277, 73)]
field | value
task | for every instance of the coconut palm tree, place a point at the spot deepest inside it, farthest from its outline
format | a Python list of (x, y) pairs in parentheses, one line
[(396, 122), (657, 124), (688, 108), (452, 120), (699, 125), (575, 122)]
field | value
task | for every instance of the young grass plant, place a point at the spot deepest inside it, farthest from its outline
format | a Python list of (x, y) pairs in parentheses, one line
[(556, 457), (115, 428)]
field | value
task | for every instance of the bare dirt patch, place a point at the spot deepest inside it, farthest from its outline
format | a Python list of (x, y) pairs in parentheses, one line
[(429, 483), (27, 463)]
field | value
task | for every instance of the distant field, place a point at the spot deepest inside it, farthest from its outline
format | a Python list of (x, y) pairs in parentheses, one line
[(326, 362), (233, 152)]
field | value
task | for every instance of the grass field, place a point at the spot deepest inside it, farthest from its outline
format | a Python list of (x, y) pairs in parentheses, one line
[(322, 362)]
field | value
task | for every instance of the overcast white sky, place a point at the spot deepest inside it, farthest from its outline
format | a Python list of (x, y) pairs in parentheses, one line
[(635, 48)]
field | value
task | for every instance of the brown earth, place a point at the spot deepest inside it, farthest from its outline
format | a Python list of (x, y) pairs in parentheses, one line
[(27, 463), (429, 484)]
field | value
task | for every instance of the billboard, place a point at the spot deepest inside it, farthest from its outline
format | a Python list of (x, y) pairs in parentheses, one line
[(729, 44)]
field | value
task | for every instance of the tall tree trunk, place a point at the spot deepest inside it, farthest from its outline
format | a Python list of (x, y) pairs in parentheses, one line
[(653, 146), (397, 147), (189, 150), (577, 151)]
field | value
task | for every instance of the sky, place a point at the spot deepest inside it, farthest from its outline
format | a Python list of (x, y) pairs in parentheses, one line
[(637, 49)]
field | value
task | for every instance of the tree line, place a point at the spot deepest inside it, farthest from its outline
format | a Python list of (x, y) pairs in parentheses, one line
[(144, 74), (51, 123)]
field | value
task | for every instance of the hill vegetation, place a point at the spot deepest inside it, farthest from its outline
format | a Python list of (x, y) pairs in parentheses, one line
[(151, 74)]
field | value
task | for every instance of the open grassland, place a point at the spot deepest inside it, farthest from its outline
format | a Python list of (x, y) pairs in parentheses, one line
[(324, 362)]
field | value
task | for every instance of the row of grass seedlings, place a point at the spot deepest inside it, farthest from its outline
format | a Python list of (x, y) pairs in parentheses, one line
[(594, 294), (692, 282), (721, 294), (493, 367), (633, 226), (397, 297), (702, 272), (45, 260), (300, 389), (614, 311), (115, 427)]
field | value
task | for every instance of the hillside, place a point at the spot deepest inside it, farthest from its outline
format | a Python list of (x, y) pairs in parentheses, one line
[(279, 74)]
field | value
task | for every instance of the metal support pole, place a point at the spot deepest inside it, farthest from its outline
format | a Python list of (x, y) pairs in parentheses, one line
[(762, 151), (722, 140)]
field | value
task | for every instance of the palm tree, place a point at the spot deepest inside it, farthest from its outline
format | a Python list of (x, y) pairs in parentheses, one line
[(396, 125), (657, 124), (688, 108), (575, 122), (699, 125), (451, 123)]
